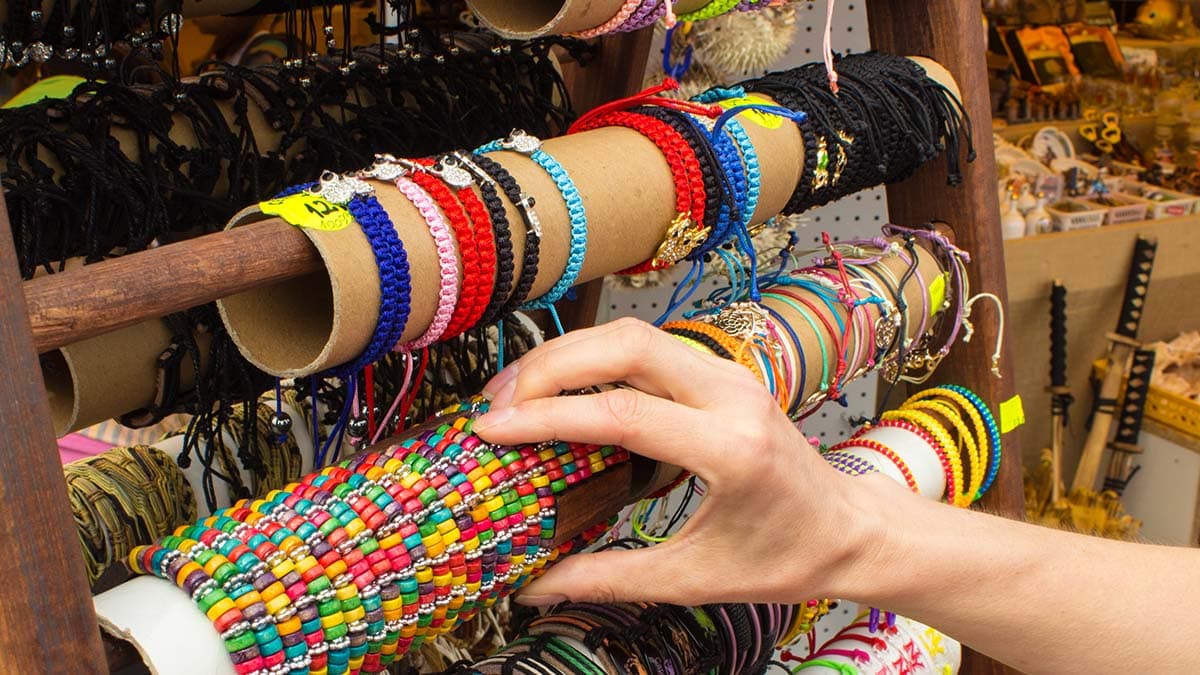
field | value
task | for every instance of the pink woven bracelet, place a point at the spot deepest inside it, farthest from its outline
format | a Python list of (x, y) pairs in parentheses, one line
[(614, 23), (447, 263)]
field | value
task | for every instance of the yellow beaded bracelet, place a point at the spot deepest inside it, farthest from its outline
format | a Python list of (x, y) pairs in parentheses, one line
[(981, 431), (966, 441)]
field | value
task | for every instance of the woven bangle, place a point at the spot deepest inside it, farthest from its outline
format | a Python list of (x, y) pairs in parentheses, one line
[(955, 493), (439, 229), (716, 194), (993, 432), (687, 231), (981, 460), (530, 146), (849, 464), (887, 452), (627, 10), (974, 455), (711, 10), (533, 227)]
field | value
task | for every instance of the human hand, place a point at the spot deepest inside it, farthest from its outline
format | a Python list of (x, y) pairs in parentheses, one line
[(777, 523)]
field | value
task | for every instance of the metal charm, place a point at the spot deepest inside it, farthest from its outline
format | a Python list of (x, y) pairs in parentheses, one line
[(682, 238)]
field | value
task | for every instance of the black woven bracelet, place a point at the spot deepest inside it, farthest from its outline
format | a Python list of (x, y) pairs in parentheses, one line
[(533, 231), (706, 340)]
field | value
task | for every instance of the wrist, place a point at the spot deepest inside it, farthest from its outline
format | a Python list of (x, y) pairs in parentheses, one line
[(875, 526)]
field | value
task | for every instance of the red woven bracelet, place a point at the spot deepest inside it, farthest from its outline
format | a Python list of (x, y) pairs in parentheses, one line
[(690, 196), (872, 444), (470, 220), (928, 438)]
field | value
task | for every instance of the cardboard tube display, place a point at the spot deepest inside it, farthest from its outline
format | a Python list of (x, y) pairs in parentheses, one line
[(323, 320), (529, 19), (108, 376), (326, 320)]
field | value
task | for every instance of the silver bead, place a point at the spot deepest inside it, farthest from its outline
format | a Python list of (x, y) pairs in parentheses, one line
[(40, 52), (305, 81), (110, 63), (139, 7), (171, 23), (331, 44), (357, 427), (281, 423), (35, 15), (68, 32), (180, 96), (383, 68), (328, 31)]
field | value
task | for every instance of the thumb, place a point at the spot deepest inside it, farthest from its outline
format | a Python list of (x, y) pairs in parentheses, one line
[(642, 575)]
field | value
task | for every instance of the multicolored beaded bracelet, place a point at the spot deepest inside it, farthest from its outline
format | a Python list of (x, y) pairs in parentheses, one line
[(887, 452)]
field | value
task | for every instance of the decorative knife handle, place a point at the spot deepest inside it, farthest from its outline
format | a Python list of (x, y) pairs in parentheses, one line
[(1136, 285), (1133, 408), (1058, 335)]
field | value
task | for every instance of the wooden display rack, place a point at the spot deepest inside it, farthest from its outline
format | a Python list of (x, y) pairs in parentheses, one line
[(46, 616)]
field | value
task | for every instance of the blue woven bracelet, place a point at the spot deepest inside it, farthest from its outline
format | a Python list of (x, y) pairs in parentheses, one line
[(530, 146)]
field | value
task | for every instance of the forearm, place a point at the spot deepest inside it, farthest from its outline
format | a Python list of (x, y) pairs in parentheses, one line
[(1001, 587)]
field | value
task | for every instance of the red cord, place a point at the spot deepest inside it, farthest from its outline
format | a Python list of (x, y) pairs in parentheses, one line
[(369, 380)]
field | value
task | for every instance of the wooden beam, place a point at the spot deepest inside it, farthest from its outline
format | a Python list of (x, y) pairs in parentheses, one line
[(46, 617), (951, 32), (78, 304)]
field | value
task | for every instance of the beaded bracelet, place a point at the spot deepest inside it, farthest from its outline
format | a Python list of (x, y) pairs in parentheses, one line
[(530, 146), (197, 543), (949, 451), (887, 452), (189, 576)]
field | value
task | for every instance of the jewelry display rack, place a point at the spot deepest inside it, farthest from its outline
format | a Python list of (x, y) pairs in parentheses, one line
[(46, 613)]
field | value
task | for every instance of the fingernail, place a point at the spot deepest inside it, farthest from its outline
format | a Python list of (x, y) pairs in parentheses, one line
[(533, 600), (494, 418), (499, 382), (504, 395)]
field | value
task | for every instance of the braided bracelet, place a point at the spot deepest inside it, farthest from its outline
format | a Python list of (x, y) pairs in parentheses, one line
[(717, 196), (710, 11), (451, 169), (852, 465), (887, 452), (533, 228), (647, 14), (520, 142), (687, 231), (386, 168), (620, 18)]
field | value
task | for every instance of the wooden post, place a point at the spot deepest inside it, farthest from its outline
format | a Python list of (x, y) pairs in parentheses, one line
[(952, 33), (46, 617)]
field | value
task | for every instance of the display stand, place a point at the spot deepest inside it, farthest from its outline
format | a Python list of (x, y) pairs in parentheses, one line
[(46, 615)]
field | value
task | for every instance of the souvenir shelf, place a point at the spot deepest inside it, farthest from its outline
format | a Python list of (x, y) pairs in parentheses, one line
[(46, 614)]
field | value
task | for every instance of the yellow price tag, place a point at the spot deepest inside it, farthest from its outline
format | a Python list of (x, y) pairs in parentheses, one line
[(309, 211), (1012, 414), (763, 119), (937, 294)]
